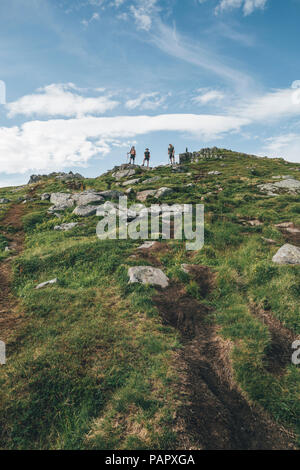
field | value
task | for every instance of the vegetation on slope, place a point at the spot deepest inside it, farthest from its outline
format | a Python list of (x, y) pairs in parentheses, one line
[(93, 365)]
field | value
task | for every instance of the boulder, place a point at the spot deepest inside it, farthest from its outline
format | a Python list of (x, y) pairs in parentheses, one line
[(85, 211), (287, 254), (57, 208), (111, 194), (87, 197), (162, 192), (45, 197), (4, 201), (290, 186), (62, 199), (124, 174), (143, 195), (152, 180), (148, 275), (130, 182), (66, 227), (47, 283)]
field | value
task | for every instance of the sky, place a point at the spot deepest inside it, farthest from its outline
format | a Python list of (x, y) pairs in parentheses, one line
[(83, 80)]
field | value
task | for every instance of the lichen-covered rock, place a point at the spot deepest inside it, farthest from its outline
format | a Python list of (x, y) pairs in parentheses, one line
[(162, 192), (85, 211), (148, 275), (143, 195), (62, 199), (111, 194), (87, 197), (287, 254)]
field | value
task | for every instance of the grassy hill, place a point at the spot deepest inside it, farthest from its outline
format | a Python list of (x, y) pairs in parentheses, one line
[(96, 363)]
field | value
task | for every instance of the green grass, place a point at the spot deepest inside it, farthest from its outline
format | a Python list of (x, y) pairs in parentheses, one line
[(92, 366)]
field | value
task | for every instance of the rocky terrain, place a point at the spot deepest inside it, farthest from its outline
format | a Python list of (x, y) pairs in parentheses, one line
[(141, 344)]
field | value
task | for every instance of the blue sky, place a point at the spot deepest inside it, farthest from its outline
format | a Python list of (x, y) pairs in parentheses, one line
[(85, 79)]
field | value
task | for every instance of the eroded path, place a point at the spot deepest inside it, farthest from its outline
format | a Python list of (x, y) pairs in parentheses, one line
[(11, 226), (216, 414)]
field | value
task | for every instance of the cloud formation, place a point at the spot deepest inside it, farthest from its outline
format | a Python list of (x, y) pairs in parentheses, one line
[(60, 100), (248, 6), (63, 143)]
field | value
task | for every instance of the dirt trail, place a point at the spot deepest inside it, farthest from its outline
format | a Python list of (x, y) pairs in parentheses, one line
[(11, 227), (216, 414)]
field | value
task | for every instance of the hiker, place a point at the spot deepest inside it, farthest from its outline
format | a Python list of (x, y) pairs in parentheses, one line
[(132, 154), (147, 157), (171, 152)]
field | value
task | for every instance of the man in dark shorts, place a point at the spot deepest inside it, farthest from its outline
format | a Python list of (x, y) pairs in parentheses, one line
[(147, 157), (132, 154), (171, 152)]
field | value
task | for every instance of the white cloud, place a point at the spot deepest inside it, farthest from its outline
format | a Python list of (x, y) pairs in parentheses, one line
[(285, 146), (60, 100), (248, 6), (207, 96), (142, 12), (278, 104), (57, 144), (146, 101)]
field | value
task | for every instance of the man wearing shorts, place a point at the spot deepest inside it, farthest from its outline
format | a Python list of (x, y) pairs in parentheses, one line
[(147, 157), (171, 152)]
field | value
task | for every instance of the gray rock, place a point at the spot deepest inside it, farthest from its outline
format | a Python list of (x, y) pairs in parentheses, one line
[(47, 283), (131, 182), (152, 180), (45, 197), (287, 254), (214, 173), (123, 174), (58, 208), (290, 186), (147, 245), (143, 195), (148, 275), (66, 227), (111, 194), (282, 177), (62, 199), (87, 197), (4, 201), (162, 192), (85, 211)]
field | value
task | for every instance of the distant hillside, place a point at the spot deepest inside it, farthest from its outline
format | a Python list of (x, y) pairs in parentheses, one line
[(204, 362)]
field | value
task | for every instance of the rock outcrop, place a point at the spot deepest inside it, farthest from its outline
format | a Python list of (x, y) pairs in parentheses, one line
[(287, 254)]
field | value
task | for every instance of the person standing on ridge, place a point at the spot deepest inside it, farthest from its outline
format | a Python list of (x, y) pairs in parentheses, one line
[(171, 152), (147, 157), (132, 154)]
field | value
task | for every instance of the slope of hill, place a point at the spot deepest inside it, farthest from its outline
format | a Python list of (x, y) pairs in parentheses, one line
[(94, 362)]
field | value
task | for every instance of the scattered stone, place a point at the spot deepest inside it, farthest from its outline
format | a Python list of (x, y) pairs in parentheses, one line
[(47, 283), (162, 192), (4, 201), (291, 186), (58, 208), (152, 180), (124, 174), (282, 177), (147, 245), (254, 223), (62, 199), (269, 241), (143, 195), (87, 197), (111, 194), (287, 254), (285, 225), (85, 211), (129, 191), (66, 227), (214, 173), (130, 182), (148, 275), (45, 197)]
